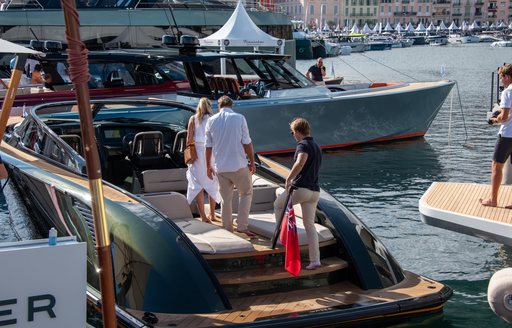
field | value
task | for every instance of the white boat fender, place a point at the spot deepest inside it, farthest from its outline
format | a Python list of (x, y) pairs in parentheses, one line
[(499, 294)]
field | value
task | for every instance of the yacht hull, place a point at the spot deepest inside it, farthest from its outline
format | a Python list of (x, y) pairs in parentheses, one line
[(342, 119)]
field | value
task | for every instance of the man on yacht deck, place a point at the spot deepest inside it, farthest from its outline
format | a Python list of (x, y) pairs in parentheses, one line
[(503, 147), (228, 140)]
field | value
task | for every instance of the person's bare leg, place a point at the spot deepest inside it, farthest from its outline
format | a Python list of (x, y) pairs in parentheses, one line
[(496, 177), (200, 206), (212, 203)]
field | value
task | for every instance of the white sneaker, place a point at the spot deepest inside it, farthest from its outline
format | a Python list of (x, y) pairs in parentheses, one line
[(314, 265)]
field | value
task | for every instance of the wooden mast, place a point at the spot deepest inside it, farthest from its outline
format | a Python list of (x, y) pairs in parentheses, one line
[(79, 74)]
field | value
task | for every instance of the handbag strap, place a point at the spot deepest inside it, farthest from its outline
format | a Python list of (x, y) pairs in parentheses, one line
[(193, 130)]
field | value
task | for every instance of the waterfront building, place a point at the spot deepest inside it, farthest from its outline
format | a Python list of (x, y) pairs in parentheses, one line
[(316, 13)]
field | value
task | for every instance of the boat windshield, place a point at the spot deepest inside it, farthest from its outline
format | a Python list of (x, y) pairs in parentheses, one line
[(279, 72), (120, 112), (174, 71), (269, 69)]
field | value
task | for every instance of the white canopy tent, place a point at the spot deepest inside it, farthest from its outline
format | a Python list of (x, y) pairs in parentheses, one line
[(421, 28), (409, 27), (366, 29), (465, 26), (354, 29), (453, 27), (399, 28), (442, 26), (388, 28), (502, 25), (431, 27), (377, 28), (240, 31), (474, 26)]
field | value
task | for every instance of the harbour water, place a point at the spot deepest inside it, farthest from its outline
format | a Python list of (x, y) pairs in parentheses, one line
[(382, 183)]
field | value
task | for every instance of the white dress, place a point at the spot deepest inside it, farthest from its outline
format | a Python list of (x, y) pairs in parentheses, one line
[(196, 173)]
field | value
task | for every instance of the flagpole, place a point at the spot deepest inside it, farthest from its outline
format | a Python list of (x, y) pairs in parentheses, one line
[(281, 216), (79, 73)]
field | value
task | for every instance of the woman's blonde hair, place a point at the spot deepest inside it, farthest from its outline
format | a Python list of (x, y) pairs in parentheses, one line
[(203, 108)]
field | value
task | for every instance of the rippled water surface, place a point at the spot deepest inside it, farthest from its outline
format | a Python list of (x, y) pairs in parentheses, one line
[(382, 183)]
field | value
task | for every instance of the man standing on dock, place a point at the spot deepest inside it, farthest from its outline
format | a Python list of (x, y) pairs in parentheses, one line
[(317, 71), (503, 147)]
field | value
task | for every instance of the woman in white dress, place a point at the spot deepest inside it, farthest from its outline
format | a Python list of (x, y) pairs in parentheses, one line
[(198, 181)]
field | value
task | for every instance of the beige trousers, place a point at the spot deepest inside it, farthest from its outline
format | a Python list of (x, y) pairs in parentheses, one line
[(308, 200), (242, 180)]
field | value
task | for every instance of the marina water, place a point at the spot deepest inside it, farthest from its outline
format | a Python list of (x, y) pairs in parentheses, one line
[(382, 183)]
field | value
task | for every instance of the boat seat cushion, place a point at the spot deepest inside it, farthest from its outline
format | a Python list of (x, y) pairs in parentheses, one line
[(264, 224), (165, 180), (263, 195), (208, 238)]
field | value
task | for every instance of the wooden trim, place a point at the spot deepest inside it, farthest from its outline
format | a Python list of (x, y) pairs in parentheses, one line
[(275, 273)]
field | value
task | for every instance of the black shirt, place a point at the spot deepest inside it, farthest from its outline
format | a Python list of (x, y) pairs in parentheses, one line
[(316, 73), (308, 176)]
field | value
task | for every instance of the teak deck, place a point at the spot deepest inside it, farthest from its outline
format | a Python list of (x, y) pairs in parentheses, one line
[(249, 309), (456, 206)]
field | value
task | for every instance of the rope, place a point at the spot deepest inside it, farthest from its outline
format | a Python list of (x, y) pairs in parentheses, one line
[(391, 68), (450, 120), (5, 184), (77, 59), (462, 114), (344, 62)]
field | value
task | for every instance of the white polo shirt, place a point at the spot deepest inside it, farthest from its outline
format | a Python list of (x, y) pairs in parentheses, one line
[(506, 102), (226, 131)]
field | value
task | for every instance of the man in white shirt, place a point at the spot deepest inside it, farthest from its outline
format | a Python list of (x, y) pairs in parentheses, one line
[(228, 140), (503, 147)]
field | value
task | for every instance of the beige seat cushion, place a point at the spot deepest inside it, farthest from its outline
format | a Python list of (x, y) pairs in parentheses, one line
[(264, 224), (165, 180), (208, 238)]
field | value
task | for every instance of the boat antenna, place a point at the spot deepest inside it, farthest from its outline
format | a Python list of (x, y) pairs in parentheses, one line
[(79, 74), (33, 33), (178, 33)]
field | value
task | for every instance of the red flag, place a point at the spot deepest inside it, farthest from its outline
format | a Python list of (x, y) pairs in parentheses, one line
[(290, 239)]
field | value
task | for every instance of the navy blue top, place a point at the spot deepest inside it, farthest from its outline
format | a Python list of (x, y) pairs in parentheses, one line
[(308, 176), (316, 73)]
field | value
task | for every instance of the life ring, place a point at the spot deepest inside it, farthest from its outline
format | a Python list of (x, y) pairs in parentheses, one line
[(499, 294), (301, 50)]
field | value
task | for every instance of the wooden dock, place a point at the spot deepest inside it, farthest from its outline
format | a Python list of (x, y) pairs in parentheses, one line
[(456, 207)]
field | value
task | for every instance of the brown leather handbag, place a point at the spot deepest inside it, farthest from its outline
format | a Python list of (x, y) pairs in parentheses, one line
[(190, 153)]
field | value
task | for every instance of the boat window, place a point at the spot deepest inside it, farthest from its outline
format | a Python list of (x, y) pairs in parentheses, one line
[(111, 75), (173, 70), (58, 70)]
